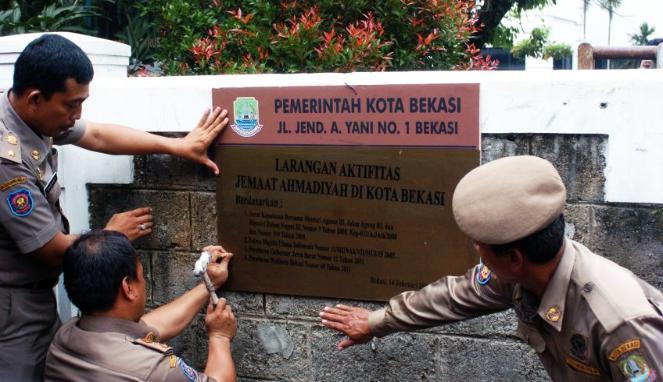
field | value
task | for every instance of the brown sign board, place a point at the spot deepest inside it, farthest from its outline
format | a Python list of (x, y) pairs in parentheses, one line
[(344, 191)]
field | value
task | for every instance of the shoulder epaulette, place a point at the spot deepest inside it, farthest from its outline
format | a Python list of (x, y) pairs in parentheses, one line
[(157, 346), (10, 146)]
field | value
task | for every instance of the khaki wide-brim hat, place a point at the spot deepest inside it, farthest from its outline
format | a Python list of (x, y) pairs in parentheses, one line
[(508, 199)]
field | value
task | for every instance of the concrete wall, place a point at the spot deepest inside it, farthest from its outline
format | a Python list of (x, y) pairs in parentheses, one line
[(280, 337)]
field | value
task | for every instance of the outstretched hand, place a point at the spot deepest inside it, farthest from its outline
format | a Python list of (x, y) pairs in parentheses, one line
[(194, 145), (134, 224), (349, 320)]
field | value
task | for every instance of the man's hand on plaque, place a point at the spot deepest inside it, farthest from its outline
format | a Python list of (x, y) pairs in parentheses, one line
[(194, 145), (351, 321)]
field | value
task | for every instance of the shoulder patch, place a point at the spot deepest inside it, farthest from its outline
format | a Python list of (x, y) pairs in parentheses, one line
[(636, 369), (20, 202), (483, 274), (624, 348), (13, 182), (158, 346), (187, 370), (582, 367)]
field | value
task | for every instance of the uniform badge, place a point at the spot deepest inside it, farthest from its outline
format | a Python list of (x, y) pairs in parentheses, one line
[(624, 348), (187, 370), (582, 367), (553, 314), (247, 122), (483, 274), (636, 369), (20, 202), (13, 182), (579, 346), (11, 139)]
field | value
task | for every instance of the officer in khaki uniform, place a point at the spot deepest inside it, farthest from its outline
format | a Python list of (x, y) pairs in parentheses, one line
[(44, 106), (587, 318), (114, 339), (30, 217)]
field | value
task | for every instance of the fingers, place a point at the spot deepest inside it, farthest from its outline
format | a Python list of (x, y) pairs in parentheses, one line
[(203, 119), (343, 328), (144, 219), (329, 311), (140, 211), (214, 248), (221, 306), (212, 166), (211, 119), (346, 308), (214, 127), (346, 343), (331, 316), (216, 252), (226, 258)]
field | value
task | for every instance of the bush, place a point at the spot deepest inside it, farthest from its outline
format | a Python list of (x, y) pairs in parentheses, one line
[(557, 51), (60, 15), (253, 36), (533, 45)]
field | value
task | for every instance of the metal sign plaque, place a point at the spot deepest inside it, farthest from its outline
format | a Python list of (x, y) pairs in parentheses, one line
[(342, 191)]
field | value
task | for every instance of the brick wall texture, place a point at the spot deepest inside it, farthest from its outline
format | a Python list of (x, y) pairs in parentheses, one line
[(280, 338)]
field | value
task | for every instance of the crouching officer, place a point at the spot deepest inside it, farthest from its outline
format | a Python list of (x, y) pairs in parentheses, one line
[(114, 339), (586, 317)]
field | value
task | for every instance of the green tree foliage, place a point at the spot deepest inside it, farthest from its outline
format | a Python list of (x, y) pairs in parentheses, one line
[(44, 16), (643, 34), (492, 12), (533, 45), (314, 36)]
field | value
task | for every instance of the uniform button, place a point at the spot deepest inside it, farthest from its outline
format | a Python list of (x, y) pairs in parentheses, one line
[(588, 287)]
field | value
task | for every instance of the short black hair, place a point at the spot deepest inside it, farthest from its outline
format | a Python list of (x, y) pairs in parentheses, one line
[(539, 247), (94, 267), (46, 64)]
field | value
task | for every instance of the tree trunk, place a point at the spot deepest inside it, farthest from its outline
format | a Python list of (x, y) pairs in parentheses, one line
[(490, 16), (585, 7), (609, 24)]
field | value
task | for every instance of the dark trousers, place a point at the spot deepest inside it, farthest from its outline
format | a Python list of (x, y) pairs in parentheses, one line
[(28, 322)]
